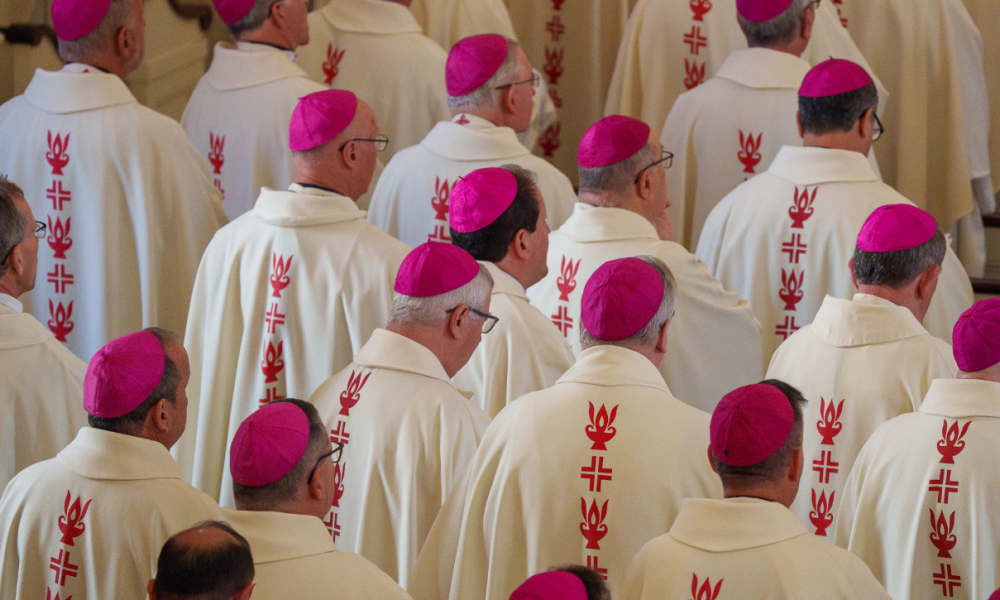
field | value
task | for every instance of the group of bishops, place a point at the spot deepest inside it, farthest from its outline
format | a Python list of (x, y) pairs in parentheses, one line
[(739, 370)]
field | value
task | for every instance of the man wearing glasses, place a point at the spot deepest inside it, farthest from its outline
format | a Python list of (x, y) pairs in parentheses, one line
[(784, 238), (284, 473), (407, 432), (287, 293)]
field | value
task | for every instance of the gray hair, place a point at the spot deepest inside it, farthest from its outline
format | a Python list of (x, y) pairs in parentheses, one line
[(410, 311), (648, 335), (779, 31), (255, 18), (898, 269), (119, 15), (13, 223), (485, 96), (836, 113), (619, 176)]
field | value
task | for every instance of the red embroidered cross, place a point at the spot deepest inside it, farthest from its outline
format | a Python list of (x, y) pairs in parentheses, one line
[(273, 318), (794, 248), (563, 321), (332, 525), (340, 435), (272, 395), (440, 234), (596, 473), (63, 567), (58, 195), (592, 564), (787, 328), (943, 485), (462, 120), (947, 580), (555, 27), (60, 278), (695, 40), (826, 466)]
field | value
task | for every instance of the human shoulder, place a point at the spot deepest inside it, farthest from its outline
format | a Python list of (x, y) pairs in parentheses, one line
[(852, 571), (355, 572), (381, 244)]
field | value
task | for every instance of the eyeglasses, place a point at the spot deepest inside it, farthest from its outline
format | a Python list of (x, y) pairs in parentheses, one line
[(879, 129), (381, 142), (338, 451), (491, 321), (40, 229), (814, 5), (666, 157), (534, 81)]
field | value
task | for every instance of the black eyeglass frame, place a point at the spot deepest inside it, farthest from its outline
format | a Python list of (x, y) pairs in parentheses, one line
[(491, 320), (339, 450), (879, 128), (535, 81), (40, 228), (381, 142), (666, 156)]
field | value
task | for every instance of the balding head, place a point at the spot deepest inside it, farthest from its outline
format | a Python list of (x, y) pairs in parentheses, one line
[(210, 561), (346, 163)]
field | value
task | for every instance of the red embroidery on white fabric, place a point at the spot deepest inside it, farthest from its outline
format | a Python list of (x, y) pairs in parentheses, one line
[(271, 395), (791, 294), (826, 466), (339, 472), (600, 430), (593, 563), (216, 155), (705, 592), (57, 156), (71, 522), (821, 515), (941, 533), (59, 278), (442, 192), (787, 328), (553, 64), (279, 273), (59, 239), (350, 396), (331, 66), (557, 4), (48, 595), (593, 527), (554, 96), (951, 444), (829, 424), (273, 318), (59, 323), (947, 580), (695, 74), (794, 248), (58, 195), (595, 473), (801, 208), (549, 141), (555, 28), (566, 282), (340, 435), (749, 153), (272, 363), (944, 486), (63, 567), (332, 525), (695, 40), (462, 120), (700, 8), (562, 321)]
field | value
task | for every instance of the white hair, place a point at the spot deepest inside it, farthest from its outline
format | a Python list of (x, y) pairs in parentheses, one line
[(485, 96), (409, 311), (119, 15)]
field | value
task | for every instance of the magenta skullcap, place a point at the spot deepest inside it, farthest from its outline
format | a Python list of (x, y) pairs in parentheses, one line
[(896, 227), (320, 117), (976, 336), (73, 19), (233, 10), (759, 11), (551, 585), (123, 374), (480, 198), (472, 61), (833, 77), (620, 298), (435, 268), (611, 140), (995, 595), (750, 423), (268, 444)]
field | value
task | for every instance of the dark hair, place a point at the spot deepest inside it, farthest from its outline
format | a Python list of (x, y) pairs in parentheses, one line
[(211, 572), (898, 269), (593, 582), (772, 468), (490, 244), (131, 423), (836, 113), (266, 497)]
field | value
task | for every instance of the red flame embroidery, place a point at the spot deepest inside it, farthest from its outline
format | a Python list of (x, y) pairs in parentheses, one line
[(440, 200), (567, 281), (339, 472), (330, 67), (279, 273), (801, 208), (829, 426), (59, 239), (215, 155), (822, 512), (951, 444), (350, 396), (705, 592), (59, 323), (71, 522), (48, 595), (549, 141), (592, 527), (700, 8), (272, 363), (941, 533), (56, 155), (749, 154), (792, 293), (695, 74), (600, 430), (557, 4), (553, 64)]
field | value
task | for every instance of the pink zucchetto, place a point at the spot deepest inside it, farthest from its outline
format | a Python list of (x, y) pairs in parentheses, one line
[(611, 140), (320, 117), (759, 11), (435, 268), (232, 11), (123, 374), (976, 336), (833, 77), (73, 19), (268, 444), (620, 298), (750, 423), (995, 595), (480, 197), (551, 585), (896, 227), (472, 61)]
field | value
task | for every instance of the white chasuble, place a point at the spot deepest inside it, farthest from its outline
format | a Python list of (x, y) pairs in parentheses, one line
[(713, 341), (745, 548), (447, 21), (524, 353), (127, 200), (784, 238), (238, 119), (294, 558), (90, 523), (860, 363), (408, 435), (585, 472), (986, 15), (41, 394), (285, 296), (410, 201), (920, 505), (377, 50)]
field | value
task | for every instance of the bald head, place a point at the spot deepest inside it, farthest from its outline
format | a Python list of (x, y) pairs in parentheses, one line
[(346, 163), (209, 561)]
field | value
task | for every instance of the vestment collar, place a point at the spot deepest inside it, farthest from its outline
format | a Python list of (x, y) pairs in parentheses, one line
[(813, 166), (11, 302), (276, 536), (503, 283), (478, 139), (734, 524), (600, 224), (388, 350), (864, 320), (962, 398), (303, 207), (19, 330), (99, 454), (64, 92), (249, 65), (370, 16), (763, 68), (613, 366)]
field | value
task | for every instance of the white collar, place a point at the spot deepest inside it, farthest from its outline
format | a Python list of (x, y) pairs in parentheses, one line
[(11, 302), (99, 454), (504, 282), (813, 166), (70, 90), (590, 223), (263, 47), (734, 524), (608, 366), (389, 350), (303, 206), (370, 16), (763, 68), (864, 320), (476, 139), (962, 398), (276, 536), (249, 64)]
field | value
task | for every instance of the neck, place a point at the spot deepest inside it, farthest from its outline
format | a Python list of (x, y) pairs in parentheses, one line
[(301, 505), (836, 140), (614, 199), (902, 297), (115, 67), (8, 287), (492, 114), (518, 269), (267, 35), (989, 374), (651, 352), (769, 493), (429, 337), (326, 180), (795, 48)]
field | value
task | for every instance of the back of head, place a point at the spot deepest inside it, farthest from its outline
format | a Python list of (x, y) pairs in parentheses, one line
[(488, 207), (834, 95), (210, 561), (86, 28), (611, 154), (897, 243), (476, 67), (626, 302), (771, 23), (13, 222), (571, 582), (433, 279), (976, 340), (244, 16)]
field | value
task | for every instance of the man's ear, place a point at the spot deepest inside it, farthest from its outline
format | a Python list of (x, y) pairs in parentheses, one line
[(317, 487), (798, 122), (661, 341), (520, 246), (507, 100), (645, 185), (867, 124), (151, 589), (350, 154), (711, 459), (925, 285), (808, 19), (458, 321), (850, 267), (795, 466), (15, 260), (159, 416)]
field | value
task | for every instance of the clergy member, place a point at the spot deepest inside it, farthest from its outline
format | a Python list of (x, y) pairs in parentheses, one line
[(239, 112), (783, 238), (206, 562), (91, 521), (585, 472), (498, 216), (731, 127), (289, 292), (749, 545), (376, 49), (573, 582), (490, 87), (285, 477), (715, 342), (866, 360), (920, 506), (126, 198), (41, 382), (408, 434)]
